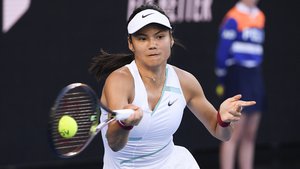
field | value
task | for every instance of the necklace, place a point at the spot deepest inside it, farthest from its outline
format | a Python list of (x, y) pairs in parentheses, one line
[(151, 78), (154, 79)]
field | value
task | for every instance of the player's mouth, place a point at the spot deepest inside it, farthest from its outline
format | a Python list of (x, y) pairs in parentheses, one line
[(153, 54)]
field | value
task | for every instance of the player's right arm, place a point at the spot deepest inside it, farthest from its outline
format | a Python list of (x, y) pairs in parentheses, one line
[(118, 93)]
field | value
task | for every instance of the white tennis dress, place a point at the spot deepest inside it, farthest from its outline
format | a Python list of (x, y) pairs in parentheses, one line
[(150, 144)]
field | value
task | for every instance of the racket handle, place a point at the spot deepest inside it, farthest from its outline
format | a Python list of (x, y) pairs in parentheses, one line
[(123, 114)]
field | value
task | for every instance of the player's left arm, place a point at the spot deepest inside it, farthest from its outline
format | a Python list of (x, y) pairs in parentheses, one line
[(205, 111)]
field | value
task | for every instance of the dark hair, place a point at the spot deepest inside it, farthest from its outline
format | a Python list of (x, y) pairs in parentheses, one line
[(104, 63)]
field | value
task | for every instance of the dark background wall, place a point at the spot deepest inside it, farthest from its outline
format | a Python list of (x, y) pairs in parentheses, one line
[(53, 43)]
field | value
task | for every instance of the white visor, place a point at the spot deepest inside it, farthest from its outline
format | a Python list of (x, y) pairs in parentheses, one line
[(146, 17)]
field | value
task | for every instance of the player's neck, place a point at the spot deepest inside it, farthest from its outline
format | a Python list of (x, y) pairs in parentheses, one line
[(153, 78), (156, 77)]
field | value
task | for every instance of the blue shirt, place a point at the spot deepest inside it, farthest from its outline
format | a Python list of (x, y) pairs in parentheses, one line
[(241, 39)]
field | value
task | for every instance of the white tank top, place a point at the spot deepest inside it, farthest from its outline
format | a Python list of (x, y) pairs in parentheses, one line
[(150, 144)]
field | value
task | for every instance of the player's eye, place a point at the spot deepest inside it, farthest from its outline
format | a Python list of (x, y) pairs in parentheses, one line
[(141, 38), (160, 36)]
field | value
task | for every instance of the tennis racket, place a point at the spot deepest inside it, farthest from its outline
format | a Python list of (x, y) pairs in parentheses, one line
[(74, 119)]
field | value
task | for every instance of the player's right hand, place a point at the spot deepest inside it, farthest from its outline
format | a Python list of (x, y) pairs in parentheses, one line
[(135, 118)]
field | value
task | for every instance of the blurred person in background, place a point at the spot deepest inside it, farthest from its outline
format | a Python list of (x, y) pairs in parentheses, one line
[(239, 57)]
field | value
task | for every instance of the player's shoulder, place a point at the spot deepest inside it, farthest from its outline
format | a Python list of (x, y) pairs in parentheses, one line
[(189, 83), (180, 71), (184, 76), (122, 72), (120, 76)]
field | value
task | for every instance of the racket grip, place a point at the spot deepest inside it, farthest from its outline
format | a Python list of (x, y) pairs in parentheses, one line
[(123, 114)]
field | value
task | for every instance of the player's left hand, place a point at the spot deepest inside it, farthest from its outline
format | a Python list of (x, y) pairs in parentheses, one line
[(231, 109)]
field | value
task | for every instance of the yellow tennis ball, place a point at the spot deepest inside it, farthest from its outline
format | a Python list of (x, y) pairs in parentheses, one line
[(67, 126), (220, 90)]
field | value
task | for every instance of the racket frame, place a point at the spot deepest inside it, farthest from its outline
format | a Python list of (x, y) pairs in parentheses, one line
[(96, 124)]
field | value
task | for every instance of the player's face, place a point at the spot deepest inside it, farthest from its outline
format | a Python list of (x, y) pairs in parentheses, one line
[(151, 45)]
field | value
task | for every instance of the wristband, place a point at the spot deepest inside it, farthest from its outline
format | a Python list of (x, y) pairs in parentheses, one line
[(123, 126), (220, 122)]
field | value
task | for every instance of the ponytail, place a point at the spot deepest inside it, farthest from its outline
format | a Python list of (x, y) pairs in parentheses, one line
[(104, 63)]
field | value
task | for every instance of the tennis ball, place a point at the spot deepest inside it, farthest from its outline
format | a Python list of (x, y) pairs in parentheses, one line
[(220, 90), (67, 126)]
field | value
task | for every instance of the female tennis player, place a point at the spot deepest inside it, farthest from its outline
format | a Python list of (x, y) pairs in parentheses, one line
[(158, 92), (239, 58)]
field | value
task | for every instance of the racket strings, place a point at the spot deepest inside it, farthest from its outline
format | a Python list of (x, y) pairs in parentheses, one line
[(82, 107)]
